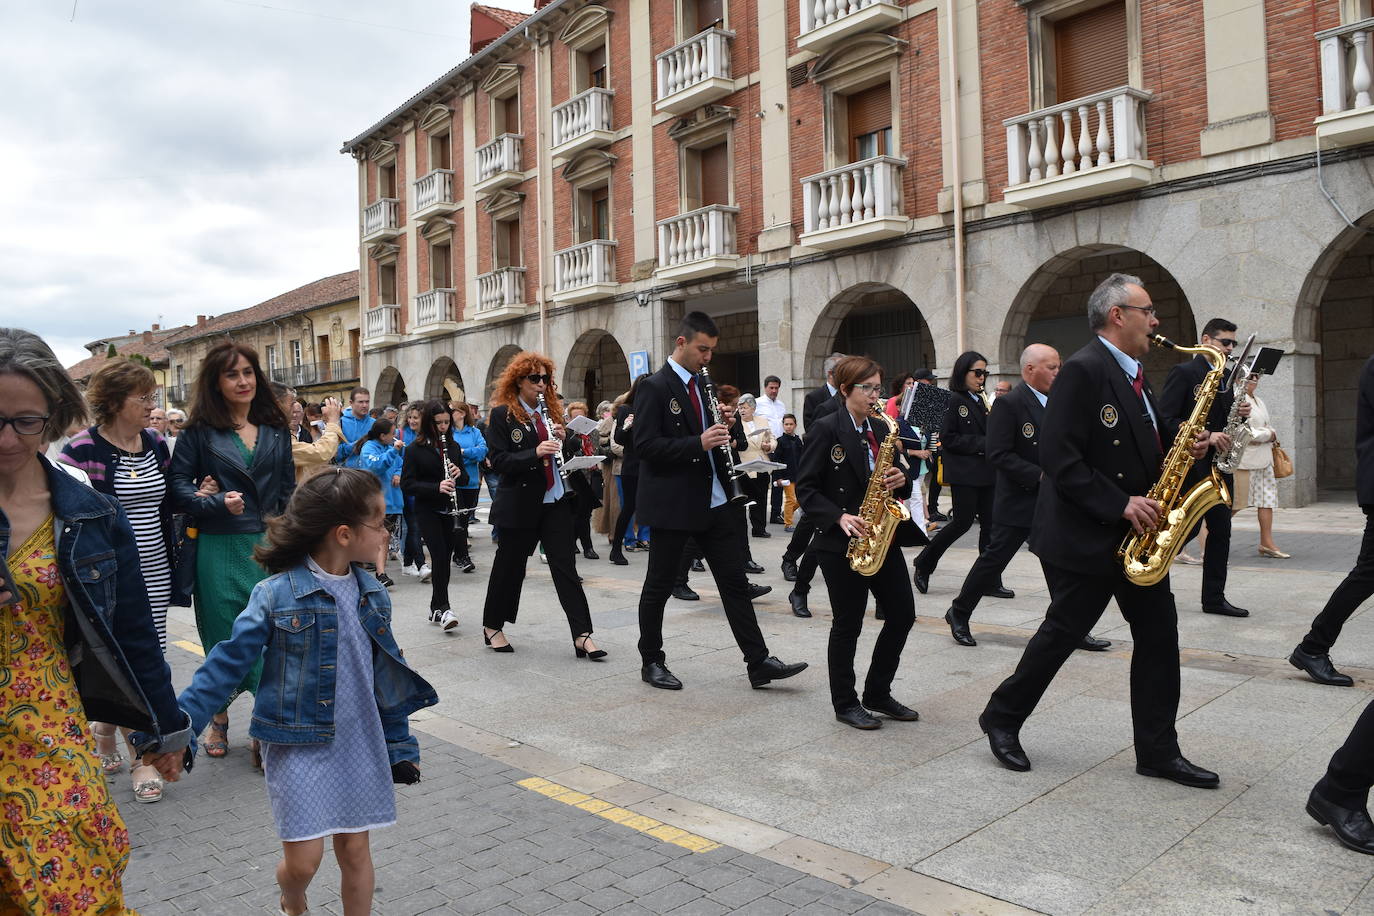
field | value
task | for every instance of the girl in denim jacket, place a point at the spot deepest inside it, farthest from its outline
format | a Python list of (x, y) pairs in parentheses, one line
[(332, 710)]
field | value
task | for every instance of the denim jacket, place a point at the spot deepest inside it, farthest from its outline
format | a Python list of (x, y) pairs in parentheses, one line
[(111, 642), (291, 624)]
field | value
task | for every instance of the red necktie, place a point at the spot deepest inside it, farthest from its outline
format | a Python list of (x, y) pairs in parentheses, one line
[(1138, 383), (696, 400), (872, 443), (587, 446), (543, 435)]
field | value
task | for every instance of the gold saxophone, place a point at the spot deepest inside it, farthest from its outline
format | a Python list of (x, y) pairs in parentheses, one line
[(1146, 557), (880, 512)]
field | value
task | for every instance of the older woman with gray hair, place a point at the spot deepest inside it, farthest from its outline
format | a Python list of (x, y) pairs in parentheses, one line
[(761, 446)]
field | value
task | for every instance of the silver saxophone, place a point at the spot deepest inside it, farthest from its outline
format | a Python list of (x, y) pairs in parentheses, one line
[(1237, 427), (556, 457)]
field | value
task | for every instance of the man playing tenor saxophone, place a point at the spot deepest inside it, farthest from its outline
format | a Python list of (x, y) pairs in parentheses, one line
[(1101, 444)]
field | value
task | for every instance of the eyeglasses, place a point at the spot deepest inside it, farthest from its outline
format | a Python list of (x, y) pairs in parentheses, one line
[(1226, 342), (177, 420), (145, 398), (25, 426), (534, 378), (981, 373), (1147, 309), (373, 527), (866, 388)]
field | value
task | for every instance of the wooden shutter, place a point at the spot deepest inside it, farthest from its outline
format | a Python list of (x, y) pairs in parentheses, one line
[(708, 12), (514, 256), (870, 111), (441, 258), (715, 175), (510, 109), (438, 152), (386, 181), (596, 67), (1090, 52)]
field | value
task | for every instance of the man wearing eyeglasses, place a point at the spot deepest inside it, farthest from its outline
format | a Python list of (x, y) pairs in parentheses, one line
[(1181, 389)]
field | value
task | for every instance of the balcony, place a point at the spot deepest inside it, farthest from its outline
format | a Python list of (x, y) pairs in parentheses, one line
[(1347, 111), (854, 204), (178, 394), (338, 370), (501, 293), (1046, 167), (825, 23), (381, 220), (382, 326), (436, 312), (584, 272), (695, 72), (583, 122), (295, 376), (498, 164), (434, 194), (698, 243)]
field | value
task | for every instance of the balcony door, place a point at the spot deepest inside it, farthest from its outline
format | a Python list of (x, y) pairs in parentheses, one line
[(386, 284), (1090, 52), (441, 266), (700, 15), (439, 155), (870, 122)]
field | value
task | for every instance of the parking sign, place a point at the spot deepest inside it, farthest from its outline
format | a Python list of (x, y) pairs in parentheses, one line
[(639, 364)]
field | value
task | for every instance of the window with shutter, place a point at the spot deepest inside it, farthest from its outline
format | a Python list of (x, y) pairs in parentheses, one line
[(386, 284), (596, 67), (386, 181), (715, 175), (508, 114), (439, 152), (508, 253), (870, 122), (1090, 52), (708, 13), (440, 261)]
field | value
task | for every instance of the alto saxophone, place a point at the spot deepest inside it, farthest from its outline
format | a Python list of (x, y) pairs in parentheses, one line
[(1146, 557), (880, 512)]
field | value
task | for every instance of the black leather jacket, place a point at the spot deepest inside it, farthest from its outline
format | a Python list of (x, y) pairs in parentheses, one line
[(266, 486)]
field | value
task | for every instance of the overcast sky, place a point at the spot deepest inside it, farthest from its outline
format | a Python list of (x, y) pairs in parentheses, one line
[(168, 158)]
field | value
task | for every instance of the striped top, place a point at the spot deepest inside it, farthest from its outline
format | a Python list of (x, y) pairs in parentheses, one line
[(140, 486)]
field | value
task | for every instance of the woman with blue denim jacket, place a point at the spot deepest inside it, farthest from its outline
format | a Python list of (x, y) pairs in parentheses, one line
[(77, 642), (332, 708)]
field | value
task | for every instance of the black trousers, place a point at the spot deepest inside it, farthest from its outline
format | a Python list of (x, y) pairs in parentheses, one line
[(630, 485), (691, 551), (441, 536), (582, 524), (968, 502), (799, 551), (1217, 553), (553, 529), (775, 500), (467, 499), (719, 543), (1351, 770), (848, 602), (1353, 591), (1077, 601), (933, 497), (986, 572), (757, 490), (414, 547)]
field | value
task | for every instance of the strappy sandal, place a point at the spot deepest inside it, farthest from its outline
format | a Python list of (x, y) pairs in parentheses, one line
[(256, 749), (148, 791), (112, 762), (217, 746), (281, 906)]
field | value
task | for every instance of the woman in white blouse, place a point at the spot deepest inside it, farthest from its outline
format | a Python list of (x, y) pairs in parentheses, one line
[(1258, 462), (761, 446)]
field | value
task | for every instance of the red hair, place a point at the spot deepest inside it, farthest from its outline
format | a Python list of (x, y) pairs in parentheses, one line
[(506, 389)]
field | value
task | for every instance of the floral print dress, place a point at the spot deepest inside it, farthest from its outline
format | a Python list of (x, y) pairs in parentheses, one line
[(63, 845)]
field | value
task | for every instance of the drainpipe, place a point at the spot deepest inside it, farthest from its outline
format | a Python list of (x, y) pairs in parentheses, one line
[(956, 172), (539, 147)]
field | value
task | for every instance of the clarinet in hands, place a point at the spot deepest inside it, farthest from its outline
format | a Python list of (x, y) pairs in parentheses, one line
[(448, 475), (733, 492), (556, 457)]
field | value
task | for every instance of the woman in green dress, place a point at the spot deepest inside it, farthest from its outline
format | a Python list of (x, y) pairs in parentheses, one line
[(238, 437)]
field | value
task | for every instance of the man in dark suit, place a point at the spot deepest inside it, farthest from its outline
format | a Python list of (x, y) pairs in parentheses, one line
[(799, 562), (682, 494), (1100, 447), (1013, 450), (1177, 401)]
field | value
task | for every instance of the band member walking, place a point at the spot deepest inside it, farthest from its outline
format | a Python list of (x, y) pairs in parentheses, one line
[(840, 458), (1101, 448), (524, 441), (431, 471), (798, 562), (683, 482), (1013, 447)]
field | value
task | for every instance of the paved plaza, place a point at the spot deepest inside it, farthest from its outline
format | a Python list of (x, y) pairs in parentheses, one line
[(556, 785)]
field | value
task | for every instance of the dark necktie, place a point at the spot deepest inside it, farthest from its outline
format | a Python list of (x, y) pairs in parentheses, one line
[(696, 400), (872, 443), (587, 446), (1138, 383), (543, 434)]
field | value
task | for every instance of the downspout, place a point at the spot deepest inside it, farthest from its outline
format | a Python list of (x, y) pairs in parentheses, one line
[(956, 173), (539, 197)]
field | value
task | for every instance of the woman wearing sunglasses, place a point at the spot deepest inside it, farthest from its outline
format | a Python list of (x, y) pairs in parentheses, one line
[(966, 470)]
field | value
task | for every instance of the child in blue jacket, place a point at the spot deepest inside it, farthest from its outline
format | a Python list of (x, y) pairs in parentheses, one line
[(376, 453)]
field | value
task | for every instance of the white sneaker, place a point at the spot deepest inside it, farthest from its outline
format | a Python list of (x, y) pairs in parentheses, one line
[(436, 616), (449, 620), (543, 559), (425, 573), (409, 571)]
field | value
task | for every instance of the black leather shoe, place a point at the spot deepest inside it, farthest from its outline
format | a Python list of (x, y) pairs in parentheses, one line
[(1179, 770), (937, 516), (698, 566), (618, 557), (1226, 609), (1006, 747), (1000, 591), (761, 533), (685, 593), (1352, 827), (892, 709), (656, 674), (775, 520), (857, 717), (1319, 668), (590, 554), (958, 628), (758, 591), (1091, 643), (751, 567), (798, 601), (789, 570), (772, 669), (921, 580), (878, 612)]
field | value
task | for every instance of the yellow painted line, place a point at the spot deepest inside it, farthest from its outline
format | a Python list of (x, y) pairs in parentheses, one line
[(623, 816), (189, 647)]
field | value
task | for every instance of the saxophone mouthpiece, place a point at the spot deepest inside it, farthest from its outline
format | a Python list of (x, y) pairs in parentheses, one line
[(1159, 340)]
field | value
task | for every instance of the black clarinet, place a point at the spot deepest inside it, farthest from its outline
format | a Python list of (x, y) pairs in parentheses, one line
[(733, 492)]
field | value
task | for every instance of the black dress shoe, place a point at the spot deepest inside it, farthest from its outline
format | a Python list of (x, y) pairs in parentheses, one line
[(685, 593), (590, 554), (1000, 591), (798, 601), (1319, 668), (921, 580), (1006, 747), (761, 533), (789, 570), (958, 628), (878, 612), (1091, 643), (758, 591), (1179, 770), (772, 669), (698, 566), (937, 516), (618, 557), (751, 567), (1352, 826), (892, 709), (857, 717), (1226, 609), (656, 674), (775, 520)]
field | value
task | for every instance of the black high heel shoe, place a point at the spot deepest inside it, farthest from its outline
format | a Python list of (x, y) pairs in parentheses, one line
[(595, 655), (487, 640)]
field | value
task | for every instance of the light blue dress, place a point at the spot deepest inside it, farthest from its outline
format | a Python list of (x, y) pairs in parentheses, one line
[(343, 786)]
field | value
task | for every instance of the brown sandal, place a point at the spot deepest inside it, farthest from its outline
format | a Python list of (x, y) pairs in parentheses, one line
[(217, 746)]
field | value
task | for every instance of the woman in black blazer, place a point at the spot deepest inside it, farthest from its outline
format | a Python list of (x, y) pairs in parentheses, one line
[(431, 485), (963, 436), (836, 467)]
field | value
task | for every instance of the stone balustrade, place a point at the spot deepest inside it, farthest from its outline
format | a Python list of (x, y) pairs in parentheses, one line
[(382, 322), (585, 271), (434, 190), (695, 71), (696, 236), (499, 157), (381, 219), (502, 288), (437, 307), (583, 116), (870, 189)]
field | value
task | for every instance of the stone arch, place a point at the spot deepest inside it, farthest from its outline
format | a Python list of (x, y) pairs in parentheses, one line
[(390, 388), (498, 365), (872, 319), (596, 369), (445, 381)]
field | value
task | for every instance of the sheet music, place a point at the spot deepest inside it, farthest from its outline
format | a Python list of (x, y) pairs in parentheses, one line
[(583, 426), (759, 464), (583, 461)]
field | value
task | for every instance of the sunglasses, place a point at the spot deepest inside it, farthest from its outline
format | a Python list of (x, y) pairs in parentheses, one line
[(1227, 342), (981, 373), (534, 378)]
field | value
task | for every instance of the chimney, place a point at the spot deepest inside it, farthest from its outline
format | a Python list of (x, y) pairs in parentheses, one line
[(132, 333), (157, 327), (200, 321), (148, 336)]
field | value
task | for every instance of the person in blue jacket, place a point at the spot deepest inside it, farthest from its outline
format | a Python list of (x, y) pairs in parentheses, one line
[(377, 453), (474, 446)]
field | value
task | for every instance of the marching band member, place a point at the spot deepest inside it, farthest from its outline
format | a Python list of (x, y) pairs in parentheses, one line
[(836, 467), (431, 483)]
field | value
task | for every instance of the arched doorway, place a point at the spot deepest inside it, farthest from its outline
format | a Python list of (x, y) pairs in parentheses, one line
[(597, 369), (445, 381), (390, 388), (1052, 307), (498, 365), (873, 320)]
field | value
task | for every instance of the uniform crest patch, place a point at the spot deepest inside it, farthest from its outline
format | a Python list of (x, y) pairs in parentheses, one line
[(837, 454), (1197, 390), (517, 435), (1109, 416), (674, 406), (963, 411), (1028, 431)]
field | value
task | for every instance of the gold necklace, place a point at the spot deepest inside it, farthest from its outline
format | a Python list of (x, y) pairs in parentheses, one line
[(132, 457)]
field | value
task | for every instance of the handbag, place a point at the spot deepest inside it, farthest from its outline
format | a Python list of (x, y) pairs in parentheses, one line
[(1283, 465), (183, 560)]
